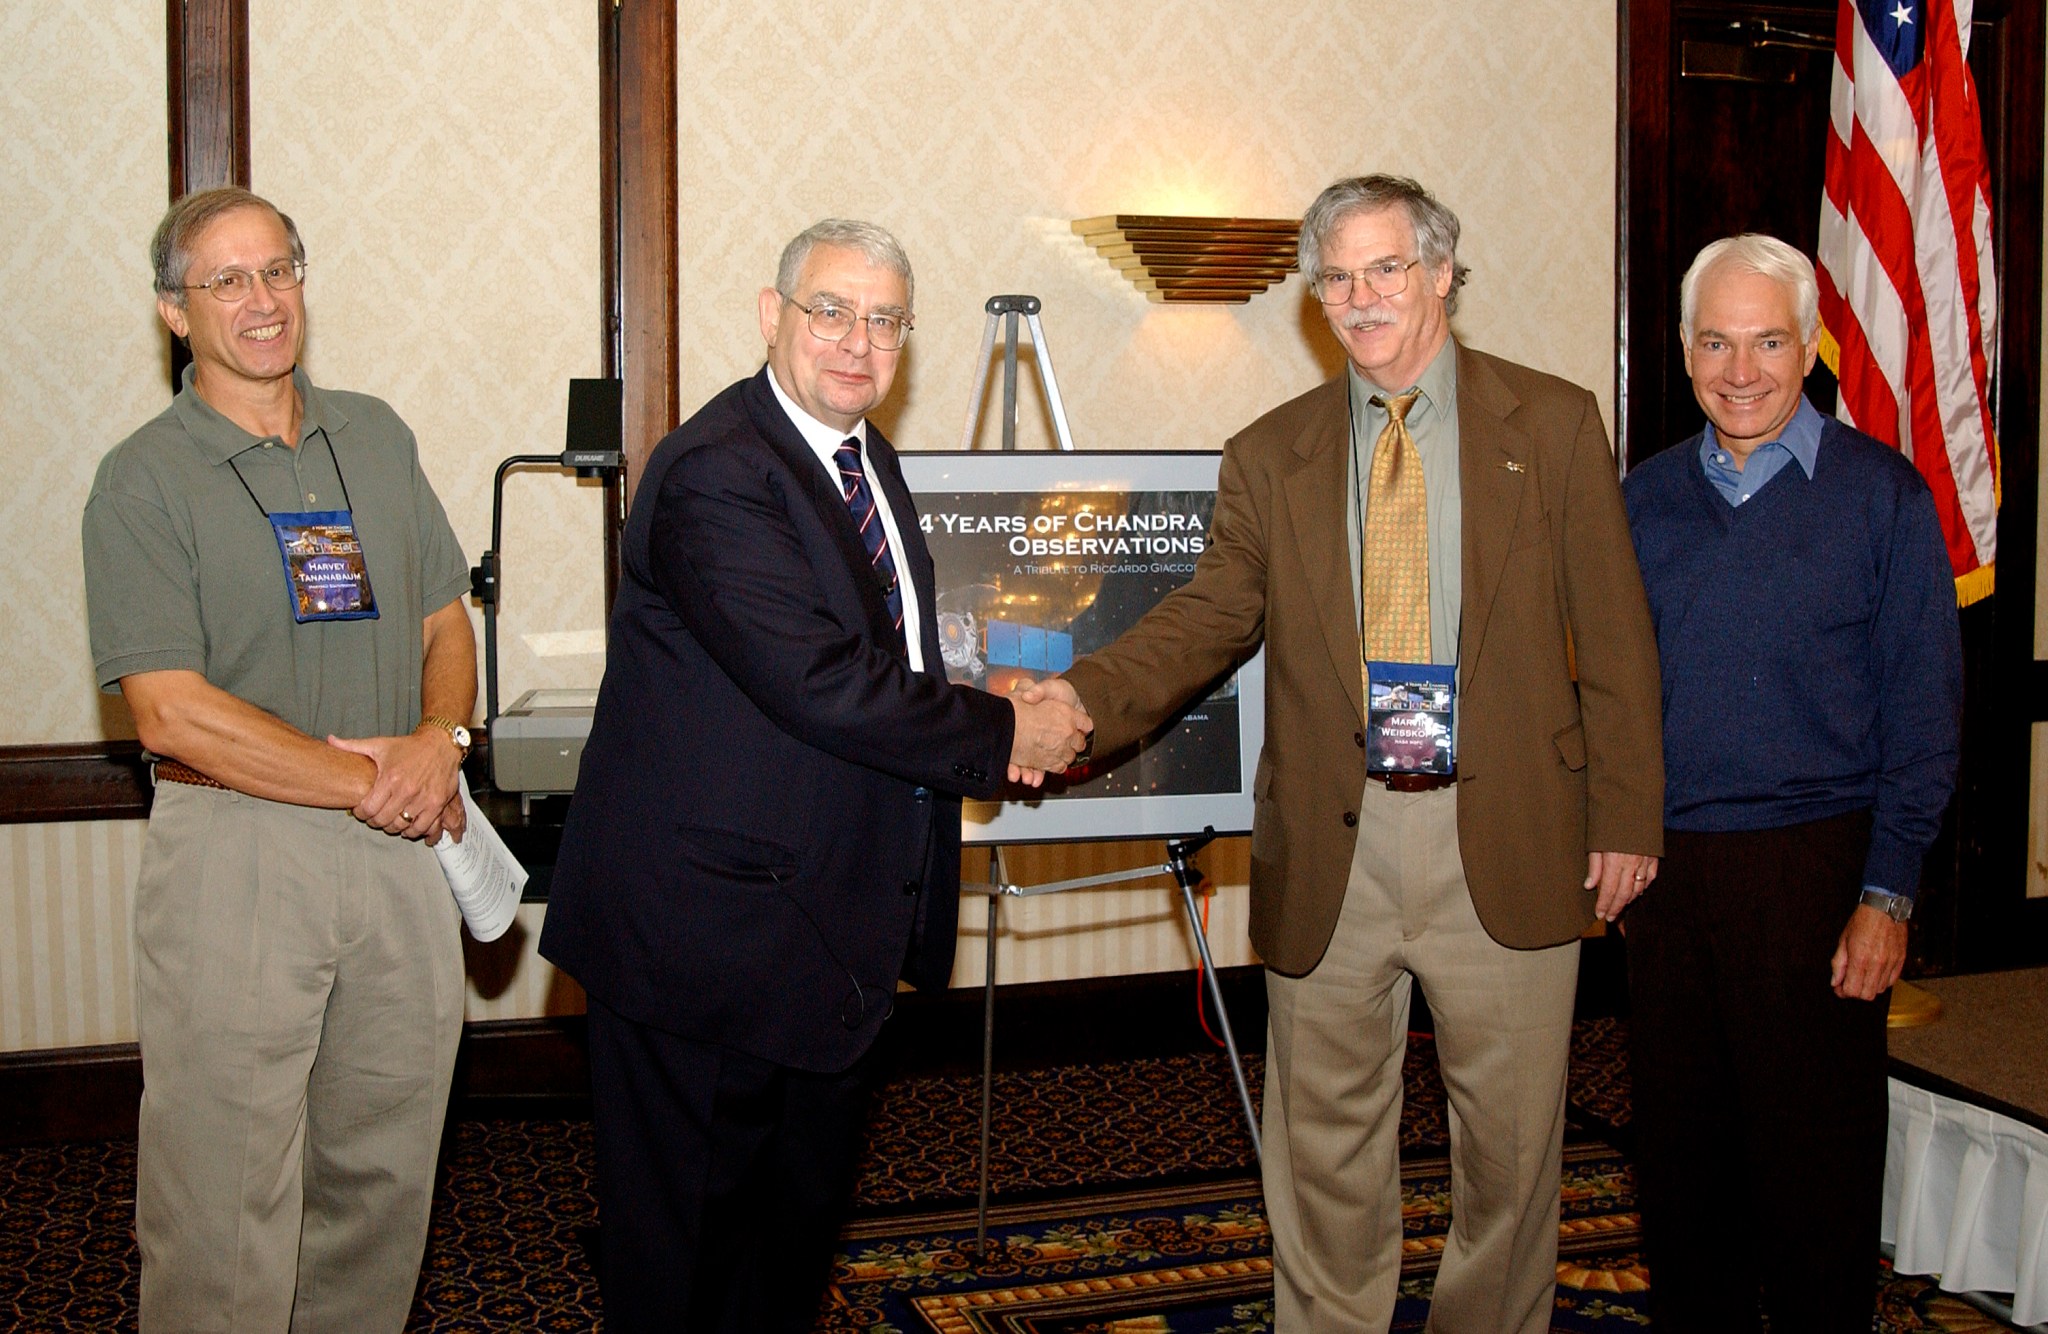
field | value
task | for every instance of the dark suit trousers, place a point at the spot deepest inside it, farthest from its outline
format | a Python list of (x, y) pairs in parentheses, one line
[(1759, 1094), (721, 1181)]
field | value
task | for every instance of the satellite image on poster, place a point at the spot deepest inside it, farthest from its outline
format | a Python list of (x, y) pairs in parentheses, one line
[(1044, 557)]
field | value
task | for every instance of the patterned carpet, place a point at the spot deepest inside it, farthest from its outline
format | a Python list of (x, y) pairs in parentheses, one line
[(1125, 1196), (1192, 1257)]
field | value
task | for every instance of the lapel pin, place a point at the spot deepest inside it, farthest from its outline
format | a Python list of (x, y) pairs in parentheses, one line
[(1513, 466)]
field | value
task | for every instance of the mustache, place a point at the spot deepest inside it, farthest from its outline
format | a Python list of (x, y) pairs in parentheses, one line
[(1365, 319)]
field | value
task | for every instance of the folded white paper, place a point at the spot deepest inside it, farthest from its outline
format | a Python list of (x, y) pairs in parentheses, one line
[(482, 872)]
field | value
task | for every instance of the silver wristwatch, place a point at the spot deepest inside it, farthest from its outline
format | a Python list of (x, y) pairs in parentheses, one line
[(1898, 907)]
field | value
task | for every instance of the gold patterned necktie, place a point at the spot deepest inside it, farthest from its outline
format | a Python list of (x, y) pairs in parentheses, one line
[(1393, 565)]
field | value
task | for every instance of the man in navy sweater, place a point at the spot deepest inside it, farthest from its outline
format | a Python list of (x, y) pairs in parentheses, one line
[(1806, 625)]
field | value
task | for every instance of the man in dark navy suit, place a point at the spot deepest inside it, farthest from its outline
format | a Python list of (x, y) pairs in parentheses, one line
[(766, 829)]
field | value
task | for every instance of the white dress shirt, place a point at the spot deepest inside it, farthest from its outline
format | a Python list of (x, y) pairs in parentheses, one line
[(824, 442)]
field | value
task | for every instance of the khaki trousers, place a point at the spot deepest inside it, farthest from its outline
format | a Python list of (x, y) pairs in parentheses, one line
[(1335, 1043), (300, 993)]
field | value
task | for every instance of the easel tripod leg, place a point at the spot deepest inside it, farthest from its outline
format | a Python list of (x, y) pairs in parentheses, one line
[(988, 1047), (1185, 874)]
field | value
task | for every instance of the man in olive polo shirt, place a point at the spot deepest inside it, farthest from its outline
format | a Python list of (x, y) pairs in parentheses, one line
[(275, 590)]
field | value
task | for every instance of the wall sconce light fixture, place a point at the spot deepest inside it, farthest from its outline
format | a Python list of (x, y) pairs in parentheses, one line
[(1214, 260)]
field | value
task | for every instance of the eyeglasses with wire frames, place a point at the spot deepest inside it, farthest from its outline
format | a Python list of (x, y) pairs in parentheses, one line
[(1389, 277), (234, 284), (831, 322)]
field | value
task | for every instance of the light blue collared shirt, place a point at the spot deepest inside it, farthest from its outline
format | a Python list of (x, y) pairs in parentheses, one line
[(1800, 440)]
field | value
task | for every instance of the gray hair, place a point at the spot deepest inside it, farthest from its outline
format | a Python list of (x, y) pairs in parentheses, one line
[(1753, 252), (881, 249), (170, 249), (1436, 227)]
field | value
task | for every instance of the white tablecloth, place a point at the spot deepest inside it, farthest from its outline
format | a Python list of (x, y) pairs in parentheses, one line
[(1966, 1197)]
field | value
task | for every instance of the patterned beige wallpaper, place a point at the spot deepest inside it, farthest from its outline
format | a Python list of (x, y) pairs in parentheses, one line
[(1108, 931), (67, 912), (67, 895), (978, 132), (442, 167), (442, 164), (83, 172)]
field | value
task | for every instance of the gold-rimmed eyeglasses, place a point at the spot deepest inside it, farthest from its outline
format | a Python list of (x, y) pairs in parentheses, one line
[(1389, 277), (234, 284), (831, 321)]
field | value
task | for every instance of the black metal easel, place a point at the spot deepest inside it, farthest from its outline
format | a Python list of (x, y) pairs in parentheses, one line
[(1179, 851)]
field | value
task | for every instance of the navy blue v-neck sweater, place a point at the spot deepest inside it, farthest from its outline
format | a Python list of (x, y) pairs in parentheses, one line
[(1809, 646)]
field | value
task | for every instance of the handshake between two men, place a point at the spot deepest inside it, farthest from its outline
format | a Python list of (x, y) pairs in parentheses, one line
[(1052, 731)]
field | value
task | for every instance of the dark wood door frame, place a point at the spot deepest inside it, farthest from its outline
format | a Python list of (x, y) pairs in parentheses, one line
[(642, 258), (1988, 920), (207, 52), (206, 79)]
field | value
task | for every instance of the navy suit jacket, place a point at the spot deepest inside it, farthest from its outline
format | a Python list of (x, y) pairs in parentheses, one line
[(766, 828)]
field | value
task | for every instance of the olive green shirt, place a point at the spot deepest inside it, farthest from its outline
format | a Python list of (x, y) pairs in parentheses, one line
[(182, 570)]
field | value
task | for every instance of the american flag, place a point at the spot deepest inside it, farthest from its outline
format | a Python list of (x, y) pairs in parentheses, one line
[(1908, 302)]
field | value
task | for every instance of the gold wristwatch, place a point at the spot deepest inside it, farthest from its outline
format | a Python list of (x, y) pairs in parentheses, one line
[(456, 731)]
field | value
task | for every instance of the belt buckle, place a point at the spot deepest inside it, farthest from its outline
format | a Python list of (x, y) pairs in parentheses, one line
[(1412, 782)]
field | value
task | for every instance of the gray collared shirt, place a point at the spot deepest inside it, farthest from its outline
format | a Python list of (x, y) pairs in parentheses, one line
[(1433, 422), (183, 572)]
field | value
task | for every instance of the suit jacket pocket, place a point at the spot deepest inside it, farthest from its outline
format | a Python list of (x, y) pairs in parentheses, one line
[(1266, 838), (1571, 746), (728, 855)]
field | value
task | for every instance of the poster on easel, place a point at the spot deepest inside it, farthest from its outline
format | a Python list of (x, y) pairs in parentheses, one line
[(1042, 557)]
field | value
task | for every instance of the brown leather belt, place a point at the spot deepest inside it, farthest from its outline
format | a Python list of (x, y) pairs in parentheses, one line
[(1412, 782), (170, 771)]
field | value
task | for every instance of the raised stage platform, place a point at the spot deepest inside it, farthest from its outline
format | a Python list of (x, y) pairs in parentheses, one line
[(1966, 1174)]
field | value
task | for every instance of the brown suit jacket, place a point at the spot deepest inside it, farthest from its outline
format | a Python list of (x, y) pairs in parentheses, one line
[(1548, 765)]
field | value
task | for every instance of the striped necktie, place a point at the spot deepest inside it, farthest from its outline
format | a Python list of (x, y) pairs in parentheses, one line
[(860, 501), (1393, 620)]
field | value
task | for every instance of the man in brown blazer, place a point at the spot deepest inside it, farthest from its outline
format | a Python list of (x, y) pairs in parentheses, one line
[(1365, 882)]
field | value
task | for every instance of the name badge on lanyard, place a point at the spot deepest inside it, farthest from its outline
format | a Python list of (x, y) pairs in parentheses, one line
[(324, 574), (325, 577), (1408, 715)]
